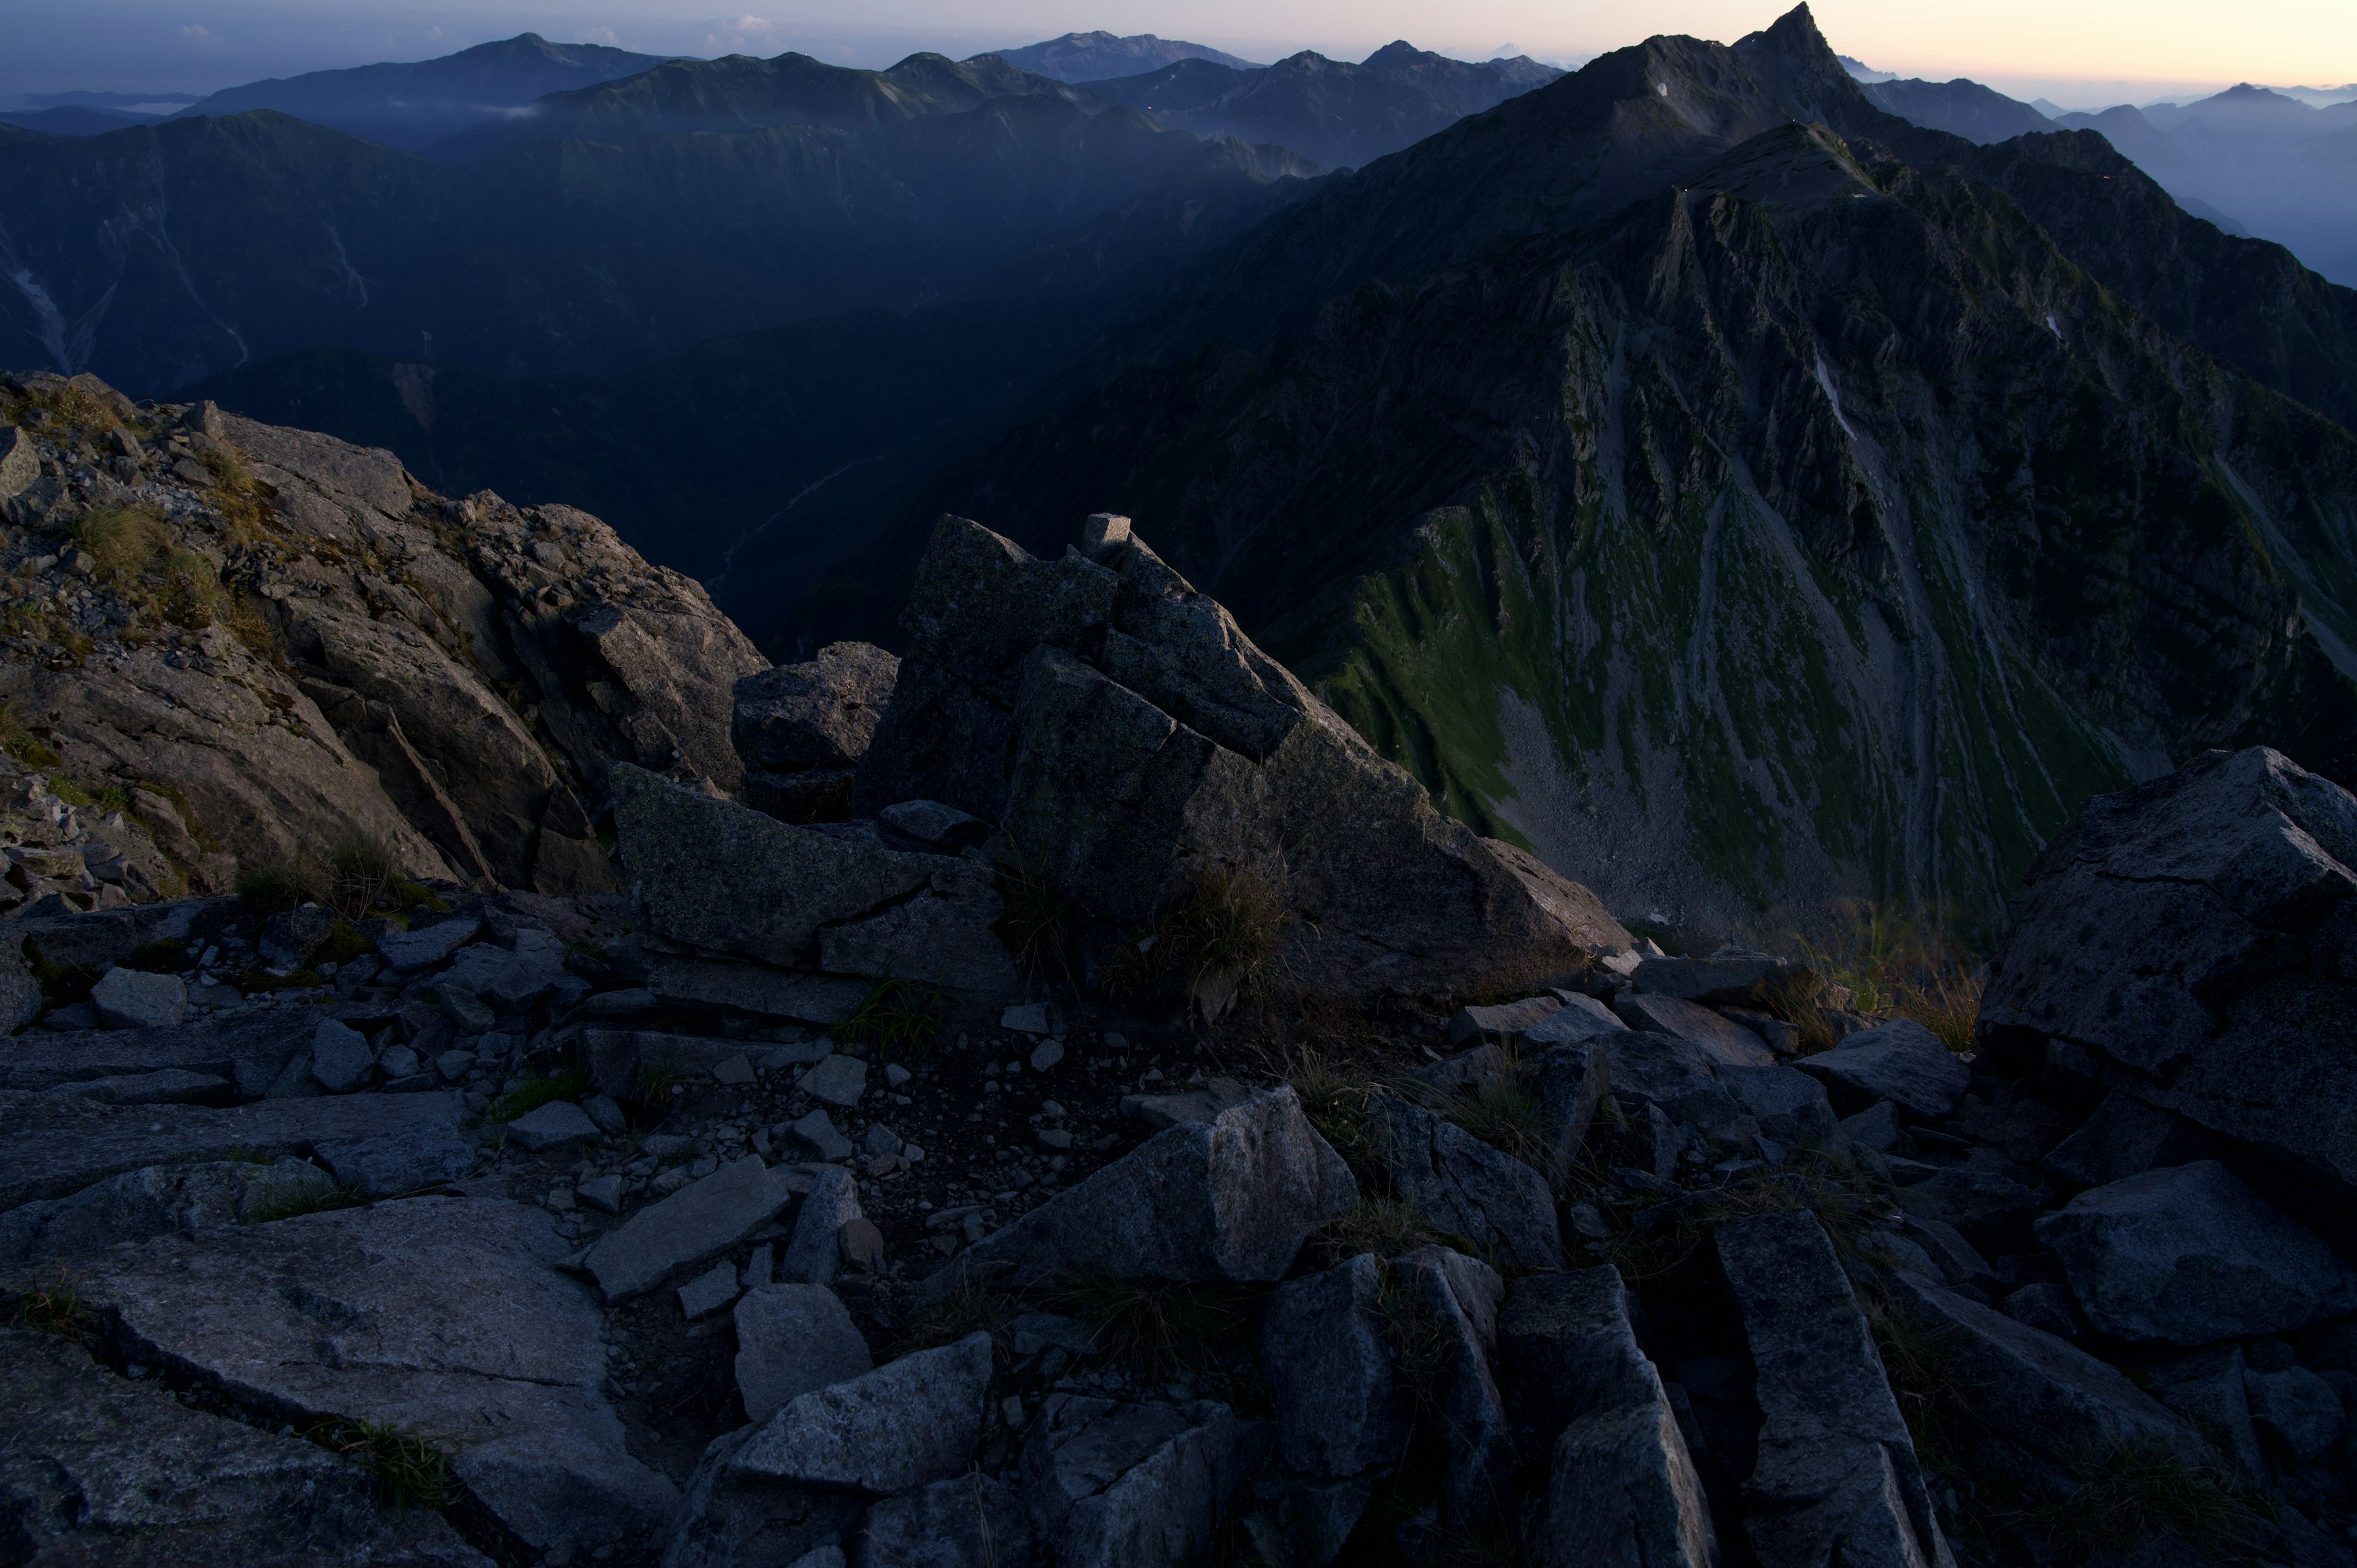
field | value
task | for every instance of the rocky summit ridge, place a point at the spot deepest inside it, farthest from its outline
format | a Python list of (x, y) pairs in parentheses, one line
[(496, 1073)]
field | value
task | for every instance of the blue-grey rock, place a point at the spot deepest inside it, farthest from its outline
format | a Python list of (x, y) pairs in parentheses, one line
[(1326, 1356), (1837, 1478), (2189, 1255)]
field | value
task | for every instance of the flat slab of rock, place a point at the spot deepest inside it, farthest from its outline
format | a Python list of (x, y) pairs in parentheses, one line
[(558, 1123), (1837, 1478), (1326, 1357), (441, 1316), (1746, 979), (694, 1225), (52, 1147), (426, 946), (128, 999), (791, 1340), (908, 1424), (2189, 1255), (158, 1200), (1510, 1019), (2043, 1395), (251, 1054), (100, 1470), (1731, 1044), (1902, 1062), (1231, 1199)]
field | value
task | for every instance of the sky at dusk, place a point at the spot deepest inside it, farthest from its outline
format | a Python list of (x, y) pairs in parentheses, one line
[(2081, 53)]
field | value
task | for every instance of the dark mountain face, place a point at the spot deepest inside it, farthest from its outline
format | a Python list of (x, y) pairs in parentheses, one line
[(159, 255), (1738, 494), (1331, 112), (1960, 108), (739, 93), (1091, 57), (414, 104)]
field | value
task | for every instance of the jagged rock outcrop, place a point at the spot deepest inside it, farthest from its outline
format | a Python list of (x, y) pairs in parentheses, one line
[(802, 729), (2192, 942), (272, 644), (1134, 746)]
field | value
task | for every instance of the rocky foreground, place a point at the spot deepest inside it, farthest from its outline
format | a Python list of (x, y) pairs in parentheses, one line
[(1078, 1107)]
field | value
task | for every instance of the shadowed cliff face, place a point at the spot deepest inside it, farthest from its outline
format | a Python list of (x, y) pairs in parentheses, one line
[(1812, 526)]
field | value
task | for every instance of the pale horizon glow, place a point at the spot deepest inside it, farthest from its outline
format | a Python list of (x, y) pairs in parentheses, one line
[(2079, 53)]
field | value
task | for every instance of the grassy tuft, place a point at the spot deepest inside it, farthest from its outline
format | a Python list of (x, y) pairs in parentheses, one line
[(344, 944), (127, 542), (409, 1470), (55, 1306), (900, 1015), (21, 743), (970, 1310), (569, 1083), (1159, 1327), (1387, 1227), (1333, 1091), (1037, 924), (2129, 1495), (1420, 1339), (276, 886), (318, 1200), (1902, 965), (1228, 925), (361, 875), (1506, 1112)]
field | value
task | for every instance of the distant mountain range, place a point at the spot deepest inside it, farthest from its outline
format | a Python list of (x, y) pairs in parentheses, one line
[(415, 105), (1729, 489), (1733, 489), (1339, 114), (2281, 168), (1092, 57)]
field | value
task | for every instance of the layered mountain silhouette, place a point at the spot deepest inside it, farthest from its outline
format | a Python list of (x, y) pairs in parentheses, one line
[(414, 104), (1092, 57), (1962, 108), (1333, 111), (160, 255), (1737, 492), (2262, 159)]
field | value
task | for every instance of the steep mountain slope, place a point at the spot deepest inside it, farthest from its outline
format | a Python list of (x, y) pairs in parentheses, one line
[(1960, 108), (161, 254), (412, 104), (1090, 56), (1736, 510), (1333, 111)]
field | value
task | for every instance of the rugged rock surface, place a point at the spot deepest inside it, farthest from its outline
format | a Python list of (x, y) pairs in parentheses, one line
[(271, 645), (2193, 942), (438, 1315), (1135, 748), (801, 729), (1231, 1198), (716, 880), (97, 1470)]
